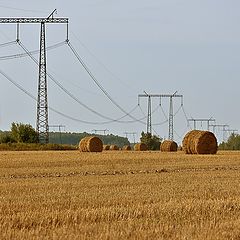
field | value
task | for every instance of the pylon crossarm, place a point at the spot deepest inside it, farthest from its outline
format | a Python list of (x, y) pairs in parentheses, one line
[(33, 20)]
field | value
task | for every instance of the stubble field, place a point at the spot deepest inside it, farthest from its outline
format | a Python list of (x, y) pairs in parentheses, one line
[(119, 195)]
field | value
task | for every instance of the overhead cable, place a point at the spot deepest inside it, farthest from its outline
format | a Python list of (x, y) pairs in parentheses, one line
[(21, 55), (21, 9), (7, 43), (97, 83), (52, 109), (77, 100)]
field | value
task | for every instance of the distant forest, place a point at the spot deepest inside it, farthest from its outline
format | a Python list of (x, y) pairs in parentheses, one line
[(74, 138)]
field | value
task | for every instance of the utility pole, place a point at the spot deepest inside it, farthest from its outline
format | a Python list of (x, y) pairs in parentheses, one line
[(131, 133), (59, 129), (195, 120), (100, 130), (42, 126), (171, 114)]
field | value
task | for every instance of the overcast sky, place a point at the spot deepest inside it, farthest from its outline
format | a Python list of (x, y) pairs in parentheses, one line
[(131, 46)]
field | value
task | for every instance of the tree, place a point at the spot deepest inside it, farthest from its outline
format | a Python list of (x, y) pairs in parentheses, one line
[(24, 133), (233, 143), (152, 141), (6, 137)]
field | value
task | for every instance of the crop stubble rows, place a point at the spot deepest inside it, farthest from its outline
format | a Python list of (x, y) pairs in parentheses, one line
[(116, 195)]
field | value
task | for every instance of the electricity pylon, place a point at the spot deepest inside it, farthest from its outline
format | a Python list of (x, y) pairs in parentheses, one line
[(59, 129), (223, 126), (100, 130), (42, 126), (195, 120), (131, 133), (231, 131), (171, 114)]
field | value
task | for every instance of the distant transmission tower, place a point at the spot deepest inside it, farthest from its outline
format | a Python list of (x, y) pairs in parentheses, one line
[(131, 133), (223, 126), (171, 114), (42, 127), (100, 131), (207, 120)]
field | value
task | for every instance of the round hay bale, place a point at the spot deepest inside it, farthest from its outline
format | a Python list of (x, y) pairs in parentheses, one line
[(114, 147), (205, 143), (179, 148), (126, 148), (200, 142), (140, 147), (168, 146), (106, 147), (91, 144), (187, 140)]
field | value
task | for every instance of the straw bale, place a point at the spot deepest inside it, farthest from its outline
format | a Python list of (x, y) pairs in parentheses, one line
[(126, 148), (187, 140), (168, 146), (140, 147), (200, 142), (91, 144), (114, 147), (180, 148), (106, 147), (205, 143)]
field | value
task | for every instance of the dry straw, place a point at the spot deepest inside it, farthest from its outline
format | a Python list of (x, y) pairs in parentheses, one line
[(91, 144), (140, 147), (126, 148), (168, 146), (106, 147), (200, 142), (114, 147)]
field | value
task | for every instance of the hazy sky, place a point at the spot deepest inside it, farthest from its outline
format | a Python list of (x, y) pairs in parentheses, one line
[(157, 46)]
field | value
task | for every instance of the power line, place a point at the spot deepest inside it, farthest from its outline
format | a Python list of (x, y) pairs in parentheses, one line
[(101, 63), (54, 110), (21, 55), (100, 130), (223, 126), (96, 81), (60, 126), (171, 113), (8, 43), (133, 135), (110, 120), (21, 9), (207, 120), (42, 103)]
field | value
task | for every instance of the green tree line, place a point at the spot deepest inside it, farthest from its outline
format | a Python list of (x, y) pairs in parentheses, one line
[(25, 133), (233, 143), (74, 138)]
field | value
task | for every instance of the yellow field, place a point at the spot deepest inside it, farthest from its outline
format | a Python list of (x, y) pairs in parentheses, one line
[(119, 195)]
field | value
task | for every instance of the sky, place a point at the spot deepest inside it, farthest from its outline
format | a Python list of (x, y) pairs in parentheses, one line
[(156, 46)]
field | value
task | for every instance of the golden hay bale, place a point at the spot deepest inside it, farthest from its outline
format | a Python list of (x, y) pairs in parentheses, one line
[(168, 146), (106, 147), (140, 147), (187, 139), (126, 148), (114, 147), (179, 148), (91, 144), (200, 142)]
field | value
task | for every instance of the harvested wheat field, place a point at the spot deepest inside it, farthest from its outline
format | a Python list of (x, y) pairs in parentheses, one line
[(119, 195)]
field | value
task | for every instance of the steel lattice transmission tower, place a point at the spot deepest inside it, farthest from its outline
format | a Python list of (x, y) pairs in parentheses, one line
[(207, 120), (42, 102), (42, 126), (171, 114)]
